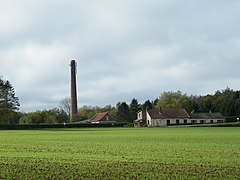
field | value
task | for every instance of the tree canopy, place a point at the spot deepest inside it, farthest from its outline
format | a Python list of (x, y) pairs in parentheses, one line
[(9, 102), (172, 100)]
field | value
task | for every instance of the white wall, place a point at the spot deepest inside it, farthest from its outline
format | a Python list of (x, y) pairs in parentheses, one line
[(163, 122), (149, 120)]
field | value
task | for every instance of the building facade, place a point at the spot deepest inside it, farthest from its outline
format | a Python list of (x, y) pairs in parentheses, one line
[(206, 118), (167, 117)]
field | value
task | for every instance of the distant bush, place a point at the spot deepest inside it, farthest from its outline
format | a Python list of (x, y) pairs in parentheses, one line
[(232, 119)]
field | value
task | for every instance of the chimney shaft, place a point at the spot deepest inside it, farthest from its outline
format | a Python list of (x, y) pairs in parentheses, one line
[(73, 112)]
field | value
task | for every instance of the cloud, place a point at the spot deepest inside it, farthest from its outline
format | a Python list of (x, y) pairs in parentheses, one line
[(125, 49), (36, 70)]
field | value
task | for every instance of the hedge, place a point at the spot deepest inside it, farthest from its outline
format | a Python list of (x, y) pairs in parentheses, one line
[(45, 126), (232, 118)]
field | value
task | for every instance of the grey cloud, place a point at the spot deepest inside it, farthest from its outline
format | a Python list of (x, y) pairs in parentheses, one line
[(124, 49)]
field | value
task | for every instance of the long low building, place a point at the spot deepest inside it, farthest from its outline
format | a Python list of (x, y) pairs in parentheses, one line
[(203, 118), (167, 117)]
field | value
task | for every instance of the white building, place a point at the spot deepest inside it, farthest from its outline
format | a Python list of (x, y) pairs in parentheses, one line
[(166, 117)]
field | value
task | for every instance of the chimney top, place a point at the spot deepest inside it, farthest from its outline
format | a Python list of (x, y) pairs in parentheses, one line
[(73, 63)]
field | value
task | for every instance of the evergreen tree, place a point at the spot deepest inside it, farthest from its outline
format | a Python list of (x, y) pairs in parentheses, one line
[(134, 108), (123, 112), (9, 103), (148, 105), (155, 102)]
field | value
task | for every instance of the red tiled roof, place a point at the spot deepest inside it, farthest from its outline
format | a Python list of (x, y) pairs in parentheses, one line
[(168, 113), (101, 117), (98, 116)]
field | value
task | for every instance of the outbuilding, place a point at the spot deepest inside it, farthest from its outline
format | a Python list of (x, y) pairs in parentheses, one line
[(203, 118), (104, 117)]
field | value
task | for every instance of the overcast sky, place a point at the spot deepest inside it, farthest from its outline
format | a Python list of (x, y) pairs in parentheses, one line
[(125, 49)]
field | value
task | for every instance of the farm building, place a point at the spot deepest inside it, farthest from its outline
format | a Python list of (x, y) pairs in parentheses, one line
[(202, 118), (104, 117), (166, 117)]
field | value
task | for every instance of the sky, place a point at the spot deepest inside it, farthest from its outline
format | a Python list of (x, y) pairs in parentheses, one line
[(124, 49)]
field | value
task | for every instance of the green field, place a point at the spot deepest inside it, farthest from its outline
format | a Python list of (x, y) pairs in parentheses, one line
[(121, 153)]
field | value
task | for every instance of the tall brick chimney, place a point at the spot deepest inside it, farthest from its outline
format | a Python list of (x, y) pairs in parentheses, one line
[(73, 111)]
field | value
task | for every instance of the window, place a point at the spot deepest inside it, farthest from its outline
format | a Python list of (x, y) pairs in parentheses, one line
[(211, 121), (168, 121), (185, 121), (193, 121), (107, 118), (177, 121)]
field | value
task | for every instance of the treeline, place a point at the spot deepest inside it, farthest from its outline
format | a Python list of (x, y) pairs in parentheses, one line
[(123, 112), (52, 116), (226, 101)]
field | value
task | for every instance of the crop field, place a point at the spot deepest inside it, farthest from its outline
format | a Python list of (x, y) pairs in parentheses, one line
[(121, 153)]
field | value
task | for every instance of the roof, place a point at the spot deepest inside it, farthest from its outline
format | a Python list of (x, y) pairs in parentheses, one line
[(168, 113), (102, 117), (206, 115)]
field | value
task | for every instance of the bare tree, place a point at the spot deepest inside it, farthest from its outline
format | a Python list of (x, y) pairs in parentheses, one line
[(65, 105)]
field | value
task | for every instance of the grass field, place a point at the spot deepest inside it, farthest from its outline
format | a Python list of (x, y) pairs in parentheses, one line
[(121, 153)]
